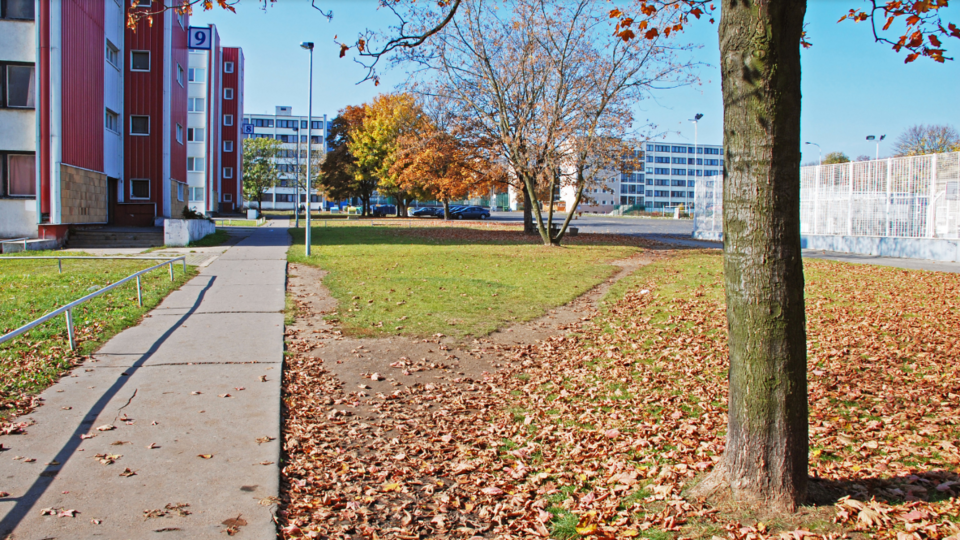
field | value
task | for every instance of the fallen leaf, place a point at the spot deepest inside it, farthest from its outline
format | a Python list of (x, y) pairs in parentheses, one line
[(107, 427), (128, 472), (205, 456)]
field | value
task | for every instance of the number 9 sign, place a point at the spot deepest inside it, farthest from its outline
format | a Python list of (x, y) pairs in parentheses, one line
[(200, 38)]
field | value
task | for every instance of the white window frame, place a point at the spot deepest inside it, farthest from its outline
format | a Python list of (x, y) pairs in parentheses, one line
[(109, 47), (149, 61), (194, 100), (228, 197), (228, 119), (228, 93), (141, 3), (132, 116), (134, 197), (180, 74), (225, 143), (180, 190), (228, 172), (107, 114), (194, 169), (228, 67), (179, 134), (192, 135)]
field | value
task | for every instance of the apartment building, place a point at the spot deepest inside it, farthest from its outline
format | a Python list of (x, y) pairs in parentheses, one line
[(214, 107), (94, 116), (292, 131), (655, 175)]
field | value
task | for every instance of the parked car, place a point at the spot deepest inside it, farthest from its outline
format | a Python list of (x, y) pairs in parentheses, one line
[(427, 211), (470, 212), (384, 210)]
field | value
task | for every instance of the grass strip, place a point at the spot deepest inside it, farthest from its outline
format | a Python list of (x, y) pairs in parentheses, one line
[(465, 282), (31, 288)]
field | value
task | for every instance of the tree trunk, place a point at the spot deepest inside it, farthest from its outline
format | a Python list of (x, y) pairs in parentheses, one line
[(765, 460), (528, 226), (446, 209)]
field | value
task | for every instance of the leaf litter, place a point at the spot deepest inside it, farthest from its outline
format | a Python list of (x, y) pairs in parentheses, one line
[(598, 431)]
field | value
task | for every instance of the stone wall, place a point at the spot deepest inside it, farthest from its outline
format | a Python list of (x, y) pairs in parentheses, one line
[(83, 195)]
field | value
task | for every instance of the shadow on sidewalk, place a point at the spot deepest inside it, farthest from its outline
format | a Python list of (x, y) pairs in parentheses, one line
[(25, 503)]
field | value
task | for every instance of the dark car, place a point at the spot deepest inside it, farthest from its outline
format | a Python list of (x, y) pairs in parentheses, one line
[(428, 212), (384, 210), (470, 212)]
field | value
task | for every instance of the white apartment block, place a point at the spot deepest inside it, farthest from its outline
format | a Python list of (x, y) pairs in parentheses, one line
[(292, 131), (656, 175)]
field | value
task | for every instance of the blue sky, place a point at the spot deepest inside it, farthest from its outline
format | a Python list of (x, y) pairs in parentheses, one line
[(852, 87)]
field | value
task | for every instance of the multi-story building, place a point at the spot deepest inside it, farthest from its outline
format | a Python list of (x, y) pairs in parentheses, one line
[(94, 117), (214, 107), (61, 112), (656, 175), (292, 131)]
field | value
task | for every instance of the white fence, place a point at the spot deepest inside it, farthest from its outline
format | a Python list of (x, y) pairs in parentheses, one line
[(908, 197)]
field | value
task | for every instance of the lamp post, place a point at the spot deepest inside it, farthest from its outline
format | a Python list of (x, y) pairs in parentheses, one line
[(874, 138), (819, 152), (296, 182), (308, 45)]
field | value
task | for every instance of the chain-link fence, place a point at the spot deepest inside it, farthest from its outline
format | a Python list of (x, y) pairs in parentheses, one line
[(907, 197)]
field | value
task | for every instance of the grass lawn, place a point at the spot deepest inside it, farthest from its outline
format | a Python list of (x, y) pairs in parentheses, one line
[(625, 415), (237, 223), (458, 281), (218, 237), (31, 288)]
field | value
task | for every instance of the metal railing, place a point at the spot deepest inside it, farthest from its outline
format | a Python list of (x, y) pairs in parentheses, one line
[(12, 240), (67, 310), (60, 264)]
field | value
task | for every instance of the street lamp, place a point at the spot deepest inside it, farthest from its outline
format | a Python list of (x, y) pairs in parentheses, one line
[(695, 120), (308, 45), (296, 181), (819, 152), (874, 138)]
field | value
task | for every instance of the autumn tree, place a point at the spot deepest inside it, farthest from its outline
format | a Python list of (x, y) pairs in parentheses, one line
[(835, 157), (259, 168), (548, 84), (338, 173), (374, 145), (922, 139)]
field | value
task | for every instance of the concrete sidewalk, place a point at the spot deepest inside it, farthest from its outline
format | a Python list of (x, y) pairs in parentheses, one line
[(193, 395)]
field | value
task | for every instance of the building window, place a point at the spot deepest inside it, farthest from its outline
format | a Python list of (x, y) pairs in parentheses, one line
[(661, 159), (112, 54), (195, 104), (180, 190), (315, 124), (196, 194), (228, 197), (228, 93), (179, 134), (18, 88), (180, 74), (195, 164), (139, 125), (21, 10), (228, 146), (228, 67), (140, 3), (111, 121), (228, 172), (196, 75), (195, 134), (139, 188), (228, 119), (21, 175), (139, 60), (662, 148)]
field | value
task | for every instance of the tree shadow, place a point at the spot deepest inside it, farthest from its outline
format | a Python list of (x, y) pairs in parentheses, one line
[(930, 486)]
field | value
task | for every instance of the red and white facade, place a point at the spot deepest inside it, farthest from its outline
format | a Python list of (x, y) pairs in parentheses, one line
[(94, 117)]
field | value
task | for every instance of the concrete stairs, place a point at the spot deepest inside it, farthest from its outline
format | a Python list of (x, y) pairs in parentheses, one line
[(116, 237)]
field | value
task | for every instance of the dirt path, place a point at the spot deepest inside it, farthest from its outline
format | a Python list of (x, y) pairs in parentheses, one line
[(376, 416)]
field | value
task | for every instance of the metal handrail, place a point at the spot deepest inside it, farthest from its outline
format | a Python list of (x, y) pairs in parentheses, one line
[(24, 240), (60, 265), (67, 310)]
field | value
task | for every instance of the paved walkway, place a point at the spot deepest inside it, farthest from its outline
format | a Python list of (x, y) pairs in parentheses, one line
[(192, 393)]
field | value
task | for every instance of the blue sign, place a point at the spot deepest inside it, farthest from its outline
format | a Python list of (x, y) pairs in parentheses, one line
[(200, 37), (248, 129)]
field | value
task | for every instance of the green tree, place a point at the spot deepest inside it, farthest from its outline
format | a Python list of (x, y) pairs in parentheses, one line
[(259, 167), (836, 157), (338, 173)]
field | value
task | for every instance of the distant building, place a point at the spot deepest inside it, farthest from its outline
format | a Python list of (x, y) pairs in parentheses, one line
[(292, 131), (94, 117)]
